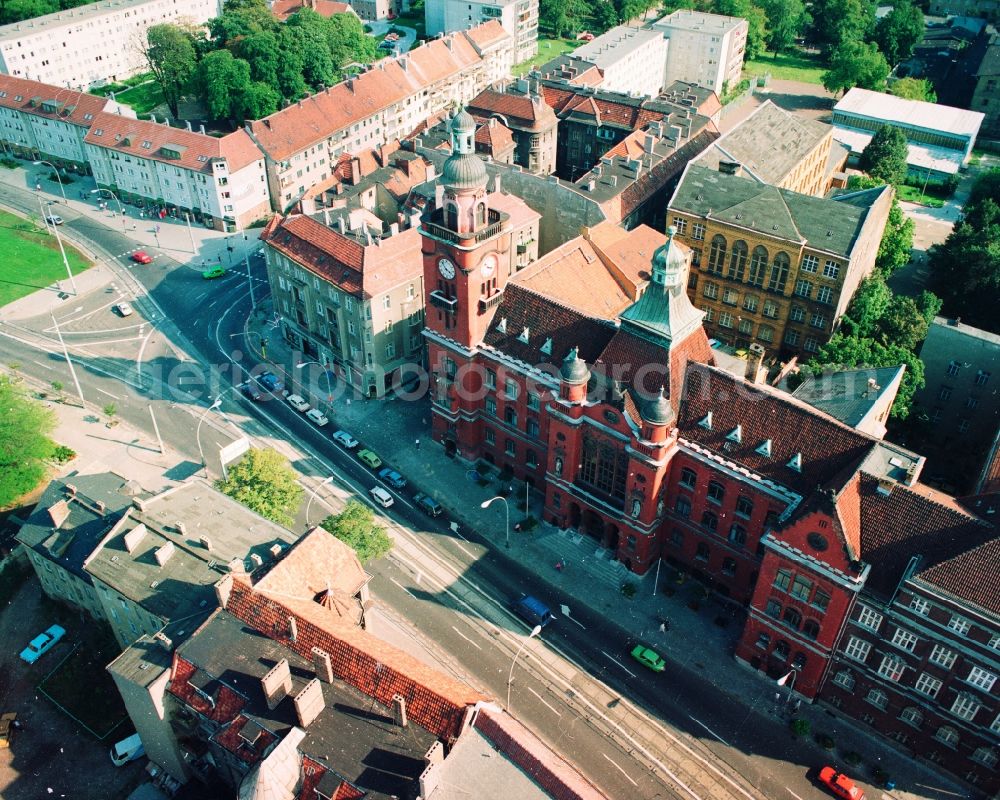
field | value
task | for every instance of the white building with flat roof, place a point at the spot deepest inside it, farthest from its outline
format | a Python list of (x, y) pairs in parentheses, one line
[(939, 138), (94, 44), (705, 49), (518, 17), (631, 59)]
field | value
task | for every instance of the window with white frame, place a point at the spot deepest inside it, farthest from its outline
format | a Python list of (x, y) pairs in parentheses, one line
[(942, 656), (920, 605), (803, 288), (947, 735), (858, 649), (877, 698), (994, 642), (904, 639), (726, 319), (681, 225), (711, 290), (928, 685), (698, 231), (959, 624), (965, 706), (831, 269), (818, 321), (797, 314), (809, 263), (824, 295), (981, 678), (811, 344), (792, 338), (995, 727), (510, 389), (985, 756), (912, 715), (869, 618), (845, 679), (730, 297), (891, 667)]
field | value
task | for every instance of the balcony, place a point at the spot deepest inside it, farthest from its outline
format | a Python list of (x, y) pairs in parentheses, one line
[(442, 301), (486, 303), (433, 224)]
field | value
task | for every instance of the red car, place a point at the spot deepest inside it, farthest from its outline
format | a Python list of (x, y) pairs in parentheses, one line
[(840, 784), (141, 257)]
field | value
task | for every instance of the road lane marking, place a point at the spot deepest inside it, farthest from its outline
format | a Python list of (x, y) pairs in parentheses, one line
[(712, 732), (411, 594), (789, 790), (43, 366), (623, 772), (114, 396), (466, 638), (540, 700), (619, 663)]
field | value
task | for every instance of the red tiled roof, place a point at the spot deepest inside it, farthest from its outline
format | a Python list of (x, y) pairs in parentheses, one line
[(516, 108), (484, 36), (283, 9), (493, 137), (363, 270), (230, 739), (228, 702), (312, 774), (827, 446), (972, 576), (143, 139), (78, 108), (848, 513)]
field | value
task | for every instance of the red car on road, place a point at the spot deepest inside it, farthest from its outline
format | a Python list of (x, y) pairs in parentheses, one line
[(840, 784), (141, 257)]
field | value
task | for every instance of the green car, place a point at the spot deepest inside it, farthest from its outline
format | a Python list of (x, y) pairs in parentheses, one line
[(214, 272), (649, 658), (369, 458)]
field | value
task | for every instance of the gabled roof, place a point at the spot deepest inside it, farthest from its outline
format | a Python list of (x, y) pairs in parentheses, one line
[(848, 395), (52, 102), (493, 137), (175, 146), (283, 9), (518, 108)]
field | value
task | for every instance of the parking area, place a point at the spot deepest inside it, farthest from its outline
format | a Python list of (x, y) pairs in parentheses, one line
[(52, 755)]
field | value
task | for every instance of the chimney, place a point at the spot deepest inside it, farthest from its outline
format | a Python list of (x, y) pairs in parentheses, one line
[(205, 542), (648, 143), (163, 641), (277, 683), (236, 565), (162, 554), (730, 168), (321, 663), (755, 361), (293, 629), (326, 217), (256, 560), (223, 588), (152, 118), (181, 528), (399, 710), (309, 703), (341, 227), (496, 183), (885, 486), (70, 489), (275, 550), (187, 124), (393, 228), (201, 129), (134, 536)]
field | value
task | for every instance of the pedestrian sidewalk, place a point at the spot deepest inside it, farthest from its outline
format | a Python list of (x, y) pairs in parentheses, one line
[(703, 628)]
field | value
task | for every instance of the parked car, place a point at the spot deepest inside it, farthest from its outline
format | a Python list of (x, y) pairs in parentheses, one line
[(54, 219), (386, 45), (298, 402), (123, 309), (381, 496), (840, 784), (428, 504), (649, 658), (317, 417), (369, 458), (213, 272), (345, 440), (270, 381), (126, 750), (42, 643), (532, 610), (141, 257), (393, 478), (250, 391)]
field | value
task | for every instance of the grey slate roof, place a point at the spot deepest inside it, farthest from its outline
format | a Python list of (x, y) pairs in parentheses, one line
[(828, 224), (845, 395)]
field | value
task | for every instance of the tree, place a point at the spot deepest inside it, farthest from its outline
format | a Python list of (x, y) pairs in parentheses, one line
[(785, 21), (25, 426), (241, 18), (884, 157), (899, 31), (223, 79), (264, 482), (172, 59), (914, 89), (904, 323), (756, 21), (836, 23), (552, 17), (896, 247), (987, 186), (305, 31), (355, 526), (348, 42), (605, 15), (867, 307), (259, 100), (855, 63), (260, 51)]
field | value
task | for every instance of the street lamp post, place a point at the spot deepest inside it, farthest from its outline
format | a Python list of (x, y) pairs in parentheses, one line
[(187, 218), (313, 493), (62, 188), (326, 373), (69, 362), (62, 251), (510, 678), (121, 210), (506, 506), (246, 261), (197, 433)]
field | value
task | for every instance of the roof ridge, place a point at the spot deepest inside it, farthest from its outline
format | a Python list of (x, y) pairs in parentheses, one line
[(791, 216), (553, 301)]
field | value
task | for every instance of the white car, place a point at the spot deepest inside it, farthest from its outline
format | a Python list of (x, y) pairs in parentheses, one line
[(317, 417), (124, 309), (381, 496), (298, 402), (345, 440)]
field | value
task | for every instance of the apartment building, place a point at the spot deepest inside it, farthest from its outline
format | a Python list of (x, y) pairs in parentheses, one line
[(303, 142), (39, 121), (518, 17), (221, 183), (770, 265), (531, 121), (706, 49), (986, 95), (93, 44), (631, 60)]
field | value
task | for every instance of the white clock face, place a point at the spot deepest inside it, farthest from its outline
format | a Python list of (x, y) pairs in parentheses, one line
[(446, 268), (488, 265)]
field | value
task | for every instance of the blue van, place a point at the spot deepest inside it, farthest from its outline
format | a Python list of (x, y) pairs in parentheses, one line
[(532, 610)]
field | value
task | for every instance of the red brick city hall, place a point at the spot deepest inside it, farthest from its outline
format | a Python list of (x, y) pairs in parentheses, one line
[(588, 374)]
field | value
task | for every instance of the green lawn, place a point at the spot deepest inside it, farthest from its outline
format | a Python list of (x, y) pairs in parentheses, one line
[(547, 50), (798, 66), (912, 194), (31, 258), (143, 98)]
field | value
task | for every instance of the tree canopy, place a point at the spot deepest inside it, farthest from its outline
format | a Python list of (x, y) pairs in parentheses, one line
[(884, 157), (785, 22), (836, 23), (896, 247), (356, 527), (856, 63), (172, 58), (899, 31), (264, 482), (914, 89), (25, 425)]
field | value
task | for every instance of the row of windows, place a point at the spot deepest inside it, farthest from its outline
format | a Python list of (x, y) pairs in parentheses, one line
[(510, 448), (801, 588), (792, 617), (870, 618), (982, 376)]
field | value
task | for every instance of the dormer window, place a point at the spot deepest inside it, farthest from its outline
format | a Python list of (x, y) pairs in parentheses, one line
[(736, 434), (547, 347), (795, 462), (502, 325), (764, 449), (525, 334), (706, 421)]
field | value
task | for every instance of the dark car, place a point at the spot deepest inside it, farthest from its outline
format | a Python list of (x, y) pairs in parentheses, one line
[(250, 391), (428, 504), (393, 478), (270, 381)]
